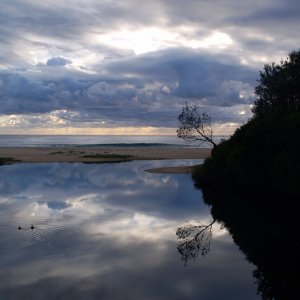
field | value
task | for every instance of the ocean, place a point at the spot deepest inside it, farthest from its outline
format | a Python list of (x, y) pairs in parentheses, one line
[(98, 141)]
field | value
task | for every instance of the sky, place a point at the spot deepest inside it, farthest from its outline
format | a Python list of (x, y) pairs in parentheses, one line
[(128, 67)]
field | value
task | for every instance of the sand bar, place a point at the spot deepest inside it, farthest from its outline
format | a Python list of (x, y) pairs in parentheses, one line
[(172, 170), (99, 154)]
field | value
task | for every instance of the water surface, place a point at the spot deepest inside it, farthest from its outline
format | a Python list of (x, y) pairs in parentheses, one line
[(108, 231), (98, 140)]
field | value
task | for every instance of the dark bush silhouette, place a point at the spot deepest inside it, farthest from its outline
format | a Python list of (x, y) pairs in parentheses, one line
[(265, 151), (252, 180), (264, 226), (279, 86)]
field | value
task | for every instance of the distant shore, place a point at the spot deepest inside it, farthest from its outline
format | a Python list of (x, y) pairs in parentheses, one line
[(101, 154)]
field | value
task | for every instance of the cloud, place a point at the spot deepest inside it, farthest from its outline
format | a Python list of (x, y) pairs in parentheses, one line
[(152, 95), (58, 61), (114, 61)]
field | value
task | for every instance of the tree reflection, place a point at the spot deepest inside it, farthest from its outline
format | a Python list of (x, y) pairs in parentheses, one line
[(194, 240), (265, 227)]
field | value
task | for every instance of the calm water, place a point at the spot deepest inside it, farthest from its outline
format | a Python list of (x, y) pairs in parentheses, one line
[(108, 231), (95, 140)]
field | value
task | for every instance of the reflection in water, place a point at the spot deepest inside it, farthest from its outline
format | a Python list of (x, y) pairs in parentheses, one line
[(194, 240), (108, 232), (265, 227)]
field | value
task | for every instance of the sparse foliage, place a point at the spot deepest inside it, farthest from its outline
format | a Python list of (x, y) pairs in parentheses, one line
[(194, 240), (194, 125)]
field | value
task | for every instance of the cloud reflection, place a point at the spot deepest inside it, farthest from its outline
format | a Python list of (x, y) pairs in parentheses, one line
[(107, 231)]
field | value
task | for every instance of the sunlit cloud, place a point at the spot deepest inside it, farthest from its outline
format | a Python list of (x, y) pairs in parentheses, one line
[(140, 41), (217, 40), (120, 66), (153, 39)]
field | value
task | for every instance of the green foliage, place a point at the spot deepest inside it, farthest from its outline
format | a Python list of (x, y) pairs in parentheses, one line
[(264, 153), (279, 86), (6, 160)]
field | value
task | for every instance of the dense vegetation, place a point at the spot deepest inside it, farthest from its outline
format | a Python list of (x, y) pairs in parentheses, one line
[(6, 160), (264, 153), (252, 181)]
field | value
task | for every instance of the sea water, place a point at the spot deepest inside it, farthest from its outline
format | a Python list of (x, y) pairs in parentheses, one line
[(98, 140)]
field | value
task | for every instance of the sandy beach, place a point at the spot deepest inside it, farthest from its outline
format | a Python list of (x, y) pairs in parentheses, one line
[(99, 154)]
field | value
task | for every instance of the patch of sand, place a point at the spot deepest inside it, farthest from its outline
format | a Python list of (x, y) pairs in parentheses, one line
[(100, 154), (172, 170)]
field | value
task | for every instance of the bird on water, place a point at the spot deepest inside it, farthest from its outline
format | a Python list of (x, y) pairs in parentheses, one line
[(32, 227)]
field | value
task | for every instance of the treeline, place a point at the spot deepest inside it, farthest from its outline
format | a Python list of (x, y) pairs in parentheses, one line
[(265, 152), (252, 182)]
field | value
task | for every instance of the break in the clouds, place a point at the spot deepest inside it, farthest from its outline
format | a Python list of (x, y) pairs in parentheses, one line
[(117, 64)]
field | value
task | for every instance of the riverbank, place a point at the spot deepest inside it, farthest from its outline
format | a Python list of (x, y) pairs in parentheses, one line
[(101, 154)]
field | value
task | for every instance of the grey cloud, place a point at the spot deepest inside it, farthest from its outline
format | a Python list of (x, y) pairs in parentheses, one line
[(279, 14), (58, 61), (195, 74), (121, 88), (72, 23), (277, 23), (59, 20), (158, 85), (236, 114)]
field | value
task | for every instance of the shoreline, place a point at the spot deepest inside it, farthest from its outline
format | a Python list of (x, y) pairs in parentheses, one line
[(99, 154), (172, 170)]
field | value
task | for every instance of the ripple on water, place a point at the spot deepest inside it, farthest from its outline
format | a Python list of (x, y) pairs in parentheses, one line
[(45, 242)]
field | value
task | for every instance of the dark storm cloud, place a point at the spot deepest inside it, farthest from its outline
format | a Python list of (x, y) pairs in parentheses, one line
[(56, 56), (158, 85)]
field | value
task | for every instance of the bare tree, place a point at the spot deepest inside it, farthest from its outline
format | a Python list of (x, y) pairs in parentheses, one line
[(194, 125)]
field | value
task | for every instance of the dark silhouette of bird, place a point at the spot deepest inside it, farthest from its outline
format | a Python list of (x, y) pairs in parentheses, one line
[(32, 227), (19, 227)]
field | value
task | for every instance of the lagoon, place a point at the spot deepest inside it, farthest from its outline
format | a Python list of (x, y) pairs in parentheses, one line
[(108, 231)]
